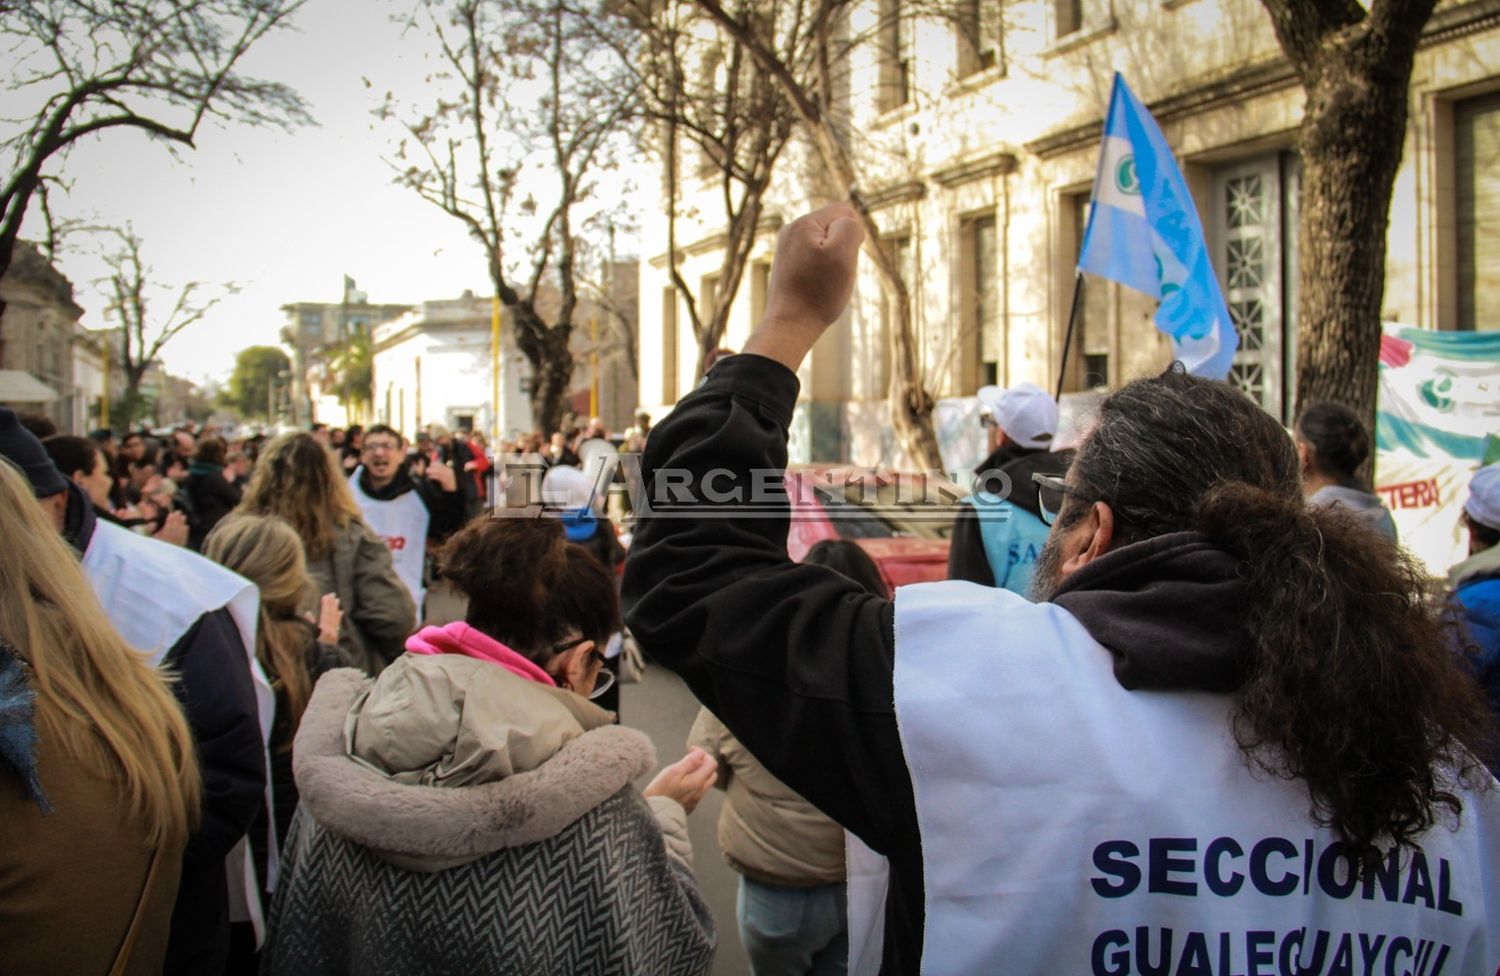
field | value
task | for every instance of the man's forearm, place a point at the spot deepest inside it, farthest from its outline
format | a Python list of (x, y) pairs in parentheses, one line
[(796, 660)]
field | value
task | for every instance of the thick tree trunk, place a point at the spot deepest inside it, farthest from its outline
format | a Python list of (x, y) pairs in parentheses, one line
[(552, 378), (1351, 142), (1354, 61)]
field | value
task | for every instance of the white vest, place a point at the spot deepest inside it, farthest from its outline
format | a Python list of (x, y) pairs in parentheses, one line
[(153, 593), (1070, 826), (402, 522)]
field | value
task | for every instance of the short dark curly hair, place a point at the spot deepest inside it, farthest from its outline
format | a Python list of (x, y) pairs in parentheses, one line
[(528, 587)]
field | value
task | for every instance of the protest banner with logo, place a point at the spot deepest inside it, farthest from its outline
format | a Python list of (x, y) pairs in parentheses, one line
[(1438, 411)]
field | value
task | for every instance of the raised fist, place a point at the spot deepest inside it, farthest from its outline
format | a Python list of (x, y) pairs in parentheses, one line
[(813, 272), (811, 279)]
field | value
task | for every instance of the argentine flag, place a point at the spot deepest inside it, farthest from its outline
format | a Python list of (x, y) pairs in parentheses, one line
[(1143, 232)]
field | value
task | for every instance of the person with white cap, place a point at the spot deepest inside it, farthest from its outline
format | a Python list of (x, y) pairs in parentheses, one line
[(1000, 532), (1476, 580)]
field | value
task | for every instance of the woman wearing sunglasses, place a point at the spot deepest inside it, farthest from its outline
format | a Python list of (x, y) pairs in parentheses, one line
[(476, 774)]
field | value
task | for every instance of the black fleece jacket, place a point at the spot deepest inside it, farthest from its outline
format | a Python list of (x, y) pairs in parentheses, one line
[(798, 661)]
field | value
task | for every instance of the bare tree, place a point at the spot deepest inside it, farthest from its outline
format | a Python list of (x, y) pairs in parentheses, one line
[(528, 119), (1355, 66), (701, 89), (128, 290), (89, 66), (807, 65)]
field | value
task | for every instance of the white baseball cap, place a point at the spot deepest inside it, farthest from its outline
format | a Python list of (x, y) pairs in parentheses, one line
[(1483, 504), (1026, 413)]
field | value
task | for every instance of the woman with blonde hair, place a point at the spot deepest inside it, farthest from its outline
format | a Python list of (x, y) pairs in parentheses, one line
[(299, 481), (293, 650), (99, 786)]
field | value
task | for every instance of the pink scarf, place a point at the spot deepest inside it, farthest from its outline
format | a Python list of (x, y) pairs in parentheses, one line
[(459, 638)]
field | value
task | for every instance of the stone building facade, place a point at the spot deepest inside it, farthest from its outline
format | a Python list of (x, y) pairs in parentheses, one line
[(977, 138)]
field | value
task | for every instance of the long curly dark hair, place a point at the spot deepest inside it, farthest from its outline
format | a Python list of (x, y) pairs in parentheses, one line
[(1351, 685)]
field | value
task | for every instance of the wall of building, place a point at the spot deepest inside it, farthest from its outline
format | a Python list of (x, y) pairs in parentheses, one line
[(983, 175)]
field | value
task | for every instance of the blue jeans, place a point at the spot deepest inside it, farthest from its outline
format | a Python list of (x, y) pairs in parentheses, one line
[(794, 931)]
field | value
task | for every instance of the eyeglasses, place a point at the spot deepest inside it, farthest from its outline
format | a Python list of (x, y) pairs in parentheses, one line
[(1051, 491), (604, 678), (377, 446), (986, 420)]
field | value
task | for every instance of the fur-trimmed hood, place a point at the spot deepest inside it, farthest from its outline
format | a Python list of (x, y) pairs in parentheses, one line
[(446, 759)]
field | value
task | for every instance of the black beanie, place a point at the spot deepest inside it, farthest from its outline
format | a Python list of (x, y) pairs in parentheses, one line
[(20, 447)]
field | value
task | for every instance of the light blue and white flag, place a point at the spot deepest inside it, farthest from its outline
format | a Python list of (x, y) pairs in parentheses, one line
[(1144, 232)]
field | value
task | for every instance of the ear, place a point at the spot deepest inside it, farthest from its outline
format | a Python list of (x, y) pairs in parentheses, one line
[(56, 507), (1091, 538), (571, 667)]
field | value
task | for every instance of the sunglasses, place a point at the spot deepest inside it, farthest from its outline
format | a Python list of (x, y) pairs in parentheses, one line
[(604, 679), (1051, 492)]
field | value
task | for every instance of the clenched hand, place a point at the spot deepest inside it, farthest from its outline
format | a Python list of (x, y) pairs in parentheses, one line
[(812, 277)]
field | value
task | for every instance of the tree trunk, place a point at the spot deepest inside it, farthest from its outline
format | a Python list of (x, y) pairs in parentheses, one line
[(1355, 63), (552, 378), (1351, 142)]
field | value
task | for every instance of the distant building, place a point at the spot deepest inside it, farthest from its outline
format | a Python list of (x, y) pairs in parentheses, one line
[(433, 364), (316, 332), (41, 340)]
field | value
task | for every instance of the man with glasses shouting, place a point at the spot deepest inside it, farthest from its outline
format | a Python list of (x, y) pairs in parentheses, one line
[(1229, 738), (407, 512)]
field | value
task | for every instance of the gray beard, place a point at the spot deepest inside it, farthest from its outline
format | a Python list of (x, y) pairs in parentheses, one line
[(1046, 578)]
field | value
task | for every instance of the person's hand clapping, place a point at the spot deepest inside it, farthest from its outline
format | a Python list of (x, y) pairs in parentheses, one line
[(330, 616), (812, 277), (174, 529), (443, 476), (686, 780)]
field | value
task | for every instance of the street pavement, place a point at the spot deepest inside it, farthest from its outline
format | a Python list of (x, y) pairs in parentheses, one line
[(662, 707)]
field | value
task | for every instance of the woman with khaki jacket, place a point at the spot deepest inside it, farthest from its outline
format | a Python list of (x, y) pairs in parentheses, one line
[(792, 907), (299, 480), (98, 783)]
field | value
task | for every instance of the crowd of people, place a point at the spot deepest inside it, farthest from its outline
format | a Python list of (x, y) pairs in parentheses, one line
[(1183, 697)]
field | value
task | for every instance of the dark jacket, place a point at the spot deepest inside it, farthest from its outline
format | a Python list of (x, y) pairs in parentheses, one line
[(213, 683), (798, 661), (966, 555), (1476, 601), (212, 498)]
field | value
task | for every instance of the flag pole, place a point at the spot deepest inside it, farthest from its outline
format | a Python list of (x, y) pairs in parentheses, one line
[(1062, 370)]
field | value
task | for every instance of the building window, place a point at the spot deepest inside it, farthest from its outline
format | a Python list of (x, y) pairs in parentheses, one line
[(1067, 16), (1253, 221), (669, 345), (883, 347), (1476, 145), (1087, 367), (895, 56), (979, 291), (760, 288), (979, 36)]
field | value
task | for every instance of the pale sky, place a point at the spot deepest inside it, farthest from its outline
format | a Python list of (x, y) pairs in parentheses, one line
[(286, 215)]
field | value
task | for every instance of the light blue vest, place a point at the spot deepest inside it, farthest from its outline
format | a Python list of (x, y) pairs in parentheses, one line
[(1013, 539)]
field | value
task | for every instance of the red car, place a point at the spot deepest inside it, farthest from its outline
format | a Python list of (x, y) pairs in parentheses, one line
[(902, 519)]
